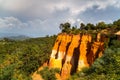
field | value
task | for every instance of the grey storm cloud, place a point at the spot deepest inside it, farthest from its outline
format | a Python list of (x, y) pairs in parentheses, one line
[(46, 8), (42, 17)]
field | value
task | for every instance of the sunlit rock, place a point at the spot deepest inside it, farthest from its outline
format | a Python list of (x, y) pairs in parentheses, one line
[(72, 53)]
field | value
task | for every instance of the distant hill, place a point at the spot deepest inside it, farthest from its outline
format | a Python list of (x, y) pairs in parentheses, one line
[(13, 36), (2, 35), (20, 37)]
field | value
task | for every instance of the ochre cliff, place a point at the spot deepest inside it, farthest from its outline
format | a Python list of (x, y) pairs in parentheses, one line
[(69, 61), (71, 53), (59, 51), (84, 50)]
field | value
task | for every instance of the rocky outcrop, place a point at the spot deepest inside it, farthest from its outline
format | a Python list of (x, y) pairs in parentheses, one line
[(69, 64), (71, 52), (97, 49), (84, 50), (59, 51)]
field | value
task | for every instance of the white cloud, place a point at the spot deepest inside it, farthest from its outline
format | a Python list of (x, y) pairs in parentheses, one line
[(34, 28), (79, 21), (11, 22)]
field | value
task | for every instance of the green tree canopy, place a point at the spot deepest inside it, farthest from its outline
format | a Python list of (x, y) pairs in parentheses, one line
[(101, 25), (65, 27)]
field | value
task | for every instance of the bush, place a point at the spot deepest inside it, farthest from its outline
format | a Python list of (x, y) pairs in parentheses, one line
[(49, 74)]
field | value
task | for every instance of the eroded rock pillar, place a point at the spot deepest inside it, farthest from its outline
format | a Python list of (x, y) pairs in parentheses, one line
[(54, 51), (66, 39), (97, 49), (84, 46), (66, 69), (59, 50)]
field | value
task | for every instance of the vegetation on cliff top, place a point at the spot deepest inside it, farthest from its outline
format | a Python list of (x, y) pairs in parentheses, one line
[(90, 28)]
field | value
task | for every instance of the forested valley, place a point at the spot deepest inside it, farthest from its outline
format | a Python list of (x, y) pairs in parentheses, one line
[(19, 59)]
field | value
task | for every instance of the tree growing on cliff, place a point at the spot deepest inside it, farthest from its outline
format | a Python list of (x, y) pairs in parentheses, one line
[(82, 26), (117, 24), (101, 25), (65, 27), (89, 26)]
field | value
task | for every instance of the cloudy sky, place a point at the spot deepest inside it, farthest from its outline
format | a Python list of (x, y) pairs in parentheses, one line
[(38, 18)]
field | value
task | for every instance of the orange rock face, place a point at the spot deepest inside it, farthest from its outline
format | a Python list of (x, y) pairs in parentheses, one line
[(66, 39), (59, 51), (56, 45), (97, 49), (69, 63), (54, 51), (84, 48), (71, 53)]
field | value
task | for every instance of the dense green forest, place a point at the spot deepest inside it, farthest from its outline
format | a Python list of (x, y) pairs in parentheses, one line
[(19, 59)]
